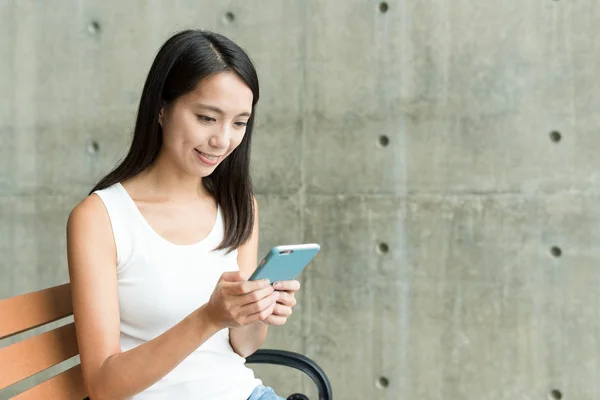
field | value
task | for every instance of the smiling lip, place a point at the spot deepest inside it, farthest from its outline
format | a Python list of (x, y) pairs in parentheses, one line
[(207, 158)]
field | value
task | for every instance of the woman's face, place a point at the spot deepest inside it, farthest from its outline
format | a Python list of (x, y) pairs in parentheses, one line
[(202, 127)]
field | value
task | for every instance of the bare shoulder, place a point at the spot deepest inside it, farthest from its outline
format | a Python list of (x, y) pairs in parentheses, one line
[(92, 264), (255, 212), (89, 228), (248, 252), (90, 207)]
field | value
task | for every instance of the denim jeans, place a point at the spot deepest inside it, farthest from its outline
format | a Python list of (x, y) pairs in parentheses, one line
[(264, 393)]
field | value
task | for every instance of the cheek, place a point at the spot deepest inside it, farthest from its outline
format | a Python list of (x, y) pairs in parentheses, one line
[(234, 144), (180, 134), (188, 131), (236, 140)]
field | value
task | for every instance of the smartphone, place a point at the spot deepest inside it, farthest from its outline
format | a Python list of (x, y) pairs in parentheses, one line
[(284, 263)]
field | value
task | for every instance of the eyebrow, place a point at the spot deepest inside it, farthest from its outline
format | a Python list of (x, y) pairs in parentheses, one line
[(218, 110)]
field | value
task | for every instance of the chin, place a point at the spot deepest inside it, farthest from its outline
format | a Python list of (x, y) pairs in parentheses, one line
[(205, 170)]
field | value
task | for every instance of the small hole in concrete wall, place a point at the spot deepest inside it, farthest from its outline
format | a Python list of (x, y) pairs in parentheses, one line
[(384, 141), (383, 248), (229, 16), (384, 7), (556, 251), (382, 382), (94, 147), (555, 136), (94, 27), (555, 395)]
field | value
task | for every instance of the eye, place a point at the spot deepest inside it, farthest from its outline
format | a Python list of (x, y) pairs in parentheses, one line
[(241, 124), (204, 118)]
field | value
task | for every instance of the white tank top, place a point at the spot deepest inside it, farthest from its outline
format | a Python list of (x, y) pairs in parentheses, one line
[(161, 283)]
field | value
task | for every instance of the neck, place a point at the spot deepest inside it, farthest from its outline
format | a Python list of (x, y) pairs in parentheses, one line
[(166, 180)]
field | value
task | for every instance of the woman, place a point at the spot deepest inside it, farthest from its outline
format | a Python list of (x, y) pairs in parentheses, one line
[(160, 251)]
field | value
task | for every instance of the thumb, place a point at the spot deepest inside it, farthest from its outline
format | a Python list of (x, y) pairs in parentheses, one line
[(232, 276)]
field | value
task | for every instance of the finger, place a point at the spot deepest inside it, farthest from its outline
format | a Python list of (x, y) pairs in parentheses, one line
[(257, 295), (251, 286), (276, 320), (282, 311), (232, 276), (261, 315), (288, 286), (260, 305), (245, 287), (287, 299)]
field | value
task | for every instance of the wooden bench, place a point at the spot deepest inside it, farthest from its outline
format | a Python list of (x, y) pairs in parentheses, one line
[(30, 356), (38, 353)]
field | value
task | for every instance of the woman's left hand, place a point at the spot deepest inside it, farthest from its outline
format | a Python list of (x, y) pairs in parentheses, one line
[(287, 300)]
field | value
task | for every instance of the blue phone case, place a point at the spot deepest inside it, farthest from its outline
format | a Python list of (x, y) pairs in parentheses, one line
[(284, 263)]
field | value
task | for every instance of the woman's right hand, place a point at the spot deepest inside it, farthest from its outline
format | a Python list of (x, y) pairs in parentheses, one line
[(237, 302)]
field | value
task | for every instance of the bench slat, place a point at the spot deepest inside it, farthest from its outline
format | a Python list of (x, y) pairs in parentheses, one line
[(28, 311), (64, 386), (28, 357)]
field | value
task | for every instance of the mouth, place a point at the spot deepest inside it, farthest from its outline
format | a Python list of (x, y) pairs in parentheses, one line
[(206, 158)]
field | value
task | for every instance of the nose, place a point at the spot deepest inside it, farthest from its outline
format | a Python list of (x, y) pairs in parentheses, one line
[(220, 139)]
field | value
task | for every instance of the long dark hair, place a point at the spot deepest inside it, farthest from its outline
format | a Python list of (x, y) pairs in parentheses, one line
[(184, 60)]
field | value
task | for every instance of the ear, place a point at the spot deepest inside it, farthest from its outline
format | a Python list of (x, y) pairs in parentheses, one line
[(160, 116)]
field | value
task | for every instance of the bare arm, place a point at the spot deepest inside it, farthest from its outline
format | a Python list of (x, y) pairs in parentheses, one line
[(109, 373), (246, 340)]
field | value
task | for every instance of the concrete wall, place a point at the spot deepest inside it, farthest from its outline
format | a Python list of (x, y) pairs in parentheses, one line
[(437, 279)]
